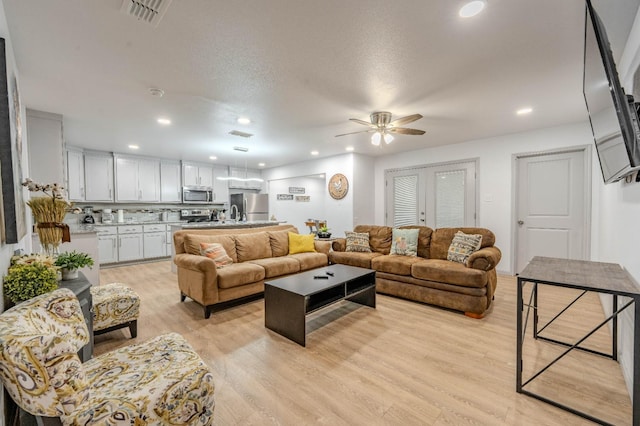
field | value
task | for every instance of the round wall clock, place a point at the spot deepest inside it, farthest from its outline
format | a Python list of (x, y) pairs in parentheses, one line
[(338, 186)]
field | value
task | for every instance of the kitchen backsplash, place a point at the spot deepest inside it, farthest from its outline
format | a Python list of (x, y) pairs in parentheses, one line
[(132, 213)]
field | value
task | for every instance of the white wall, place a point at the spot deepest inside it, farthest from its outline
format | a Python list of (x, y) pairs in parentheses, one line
[(6, 250), (362, 186), (296, 212), (340, 214), (494, 173)]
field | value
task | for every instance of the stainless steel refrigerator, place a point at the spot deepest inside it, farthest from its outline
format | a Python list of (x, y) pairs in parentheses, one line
[(250, 206)]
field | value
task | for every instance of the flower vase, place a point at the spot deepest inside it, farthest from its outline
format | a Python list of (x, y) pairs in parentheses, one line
[(69, 274), (49, 216)]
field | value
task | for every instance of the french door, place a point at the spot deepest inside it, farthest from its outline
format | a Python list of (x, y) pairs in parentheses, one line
[(437, 196)]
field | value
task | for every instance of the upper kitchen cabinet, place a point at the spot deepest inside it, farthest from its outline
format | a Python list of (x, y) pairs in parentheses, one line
[(220, 187), (137, 179), (245, 174), (46, 147), (194, 174), (98, 176), (170, 187), (75, 175)]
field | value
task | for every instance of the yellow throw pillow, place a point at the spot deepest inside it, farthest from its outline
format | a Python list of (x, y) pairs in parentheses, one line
[(217, 253), (301, 243)]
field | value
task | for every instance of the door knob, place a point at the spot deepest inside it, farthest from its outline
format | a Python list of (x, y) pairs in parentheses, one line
[(521, 222), (421, 220)]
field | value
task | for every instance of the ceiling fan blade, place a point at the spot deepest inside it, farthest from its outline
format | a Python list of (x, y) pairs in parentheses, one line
[(405, 120), (366, 123), (405, 131), (353, 133)]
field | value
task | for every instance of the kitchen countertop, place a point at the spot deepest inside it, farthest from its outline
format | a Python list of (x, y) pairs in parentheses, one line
[(230, 225)]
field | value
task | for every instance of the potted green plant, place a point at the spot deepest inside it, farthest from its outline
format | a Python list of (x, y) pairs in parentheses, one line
[(70, 262), (26, 280), (323, 232)]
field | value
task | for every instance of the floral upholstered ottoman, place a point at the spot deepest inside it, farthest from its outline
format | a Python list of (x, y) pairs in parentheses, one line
[(115, 306)]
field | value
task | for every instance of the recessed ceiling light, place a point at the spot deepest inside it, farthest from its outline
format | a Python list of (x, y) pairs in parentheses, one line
[(244, 120), (349, 148), (213, 157), (164, 121), (314, 153), (261, 164), (134, 147), (157, 92), (523, 111), (472, 8)]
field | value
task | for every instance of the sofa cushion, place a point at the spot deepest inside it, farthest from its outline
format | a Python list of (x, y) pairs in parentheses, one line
[(394, 264), (276, 266), (310, 260), (462, 246), (240, 274), (253, 246), (424, 239), (301, 243), (279, 243), (448, 272), (192, 243), (379, 237), (442, 237), (362, 260), (357, 242), (404, 242), (217, 253)]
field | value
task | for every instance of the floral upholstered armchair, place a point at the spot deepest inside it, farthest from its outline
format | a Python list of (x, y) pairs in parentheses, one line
[(162, 381)]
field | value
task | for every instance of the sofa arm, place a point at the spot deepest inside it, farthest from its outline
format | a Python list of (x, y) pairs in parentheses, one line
[(485, 259), (339, 244), (322, 247), (197, 264)]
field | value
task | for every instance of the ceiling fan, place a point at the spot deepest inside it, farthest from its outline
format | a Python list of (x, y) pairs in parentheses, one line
[(382, 127)]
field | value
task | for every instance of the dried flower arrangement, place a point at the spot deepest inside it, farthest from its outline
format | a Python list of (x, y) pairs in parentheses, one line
[(49, 214)]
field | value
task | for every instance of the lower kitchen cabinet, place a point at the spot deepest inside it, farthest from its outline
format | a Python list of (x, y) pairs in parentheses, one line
[(107, 244), (154, 244), (130, 247)]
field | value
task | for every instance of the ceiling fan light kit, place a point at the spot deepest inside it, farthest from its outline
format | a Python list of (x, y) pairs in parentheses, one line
[(382, 127)]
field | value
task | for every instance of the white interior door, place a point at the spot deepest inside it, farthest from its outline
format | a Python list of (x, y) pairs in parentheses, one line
[(451, 195), (552, 206), (405, 197)]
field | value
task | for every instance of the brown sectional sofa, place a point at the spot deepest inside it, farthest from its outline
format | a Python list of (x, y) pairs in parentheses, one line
[(429, 277), (257, 253)]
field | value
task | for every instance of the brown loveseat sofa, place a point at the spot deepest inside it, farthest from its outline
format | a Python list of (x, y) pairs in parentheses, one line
[(429, 277), (257, 253)]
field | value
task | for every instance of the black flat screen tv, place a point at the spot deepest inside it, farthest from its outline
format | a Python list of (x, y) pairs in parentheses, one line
[(613, 114)]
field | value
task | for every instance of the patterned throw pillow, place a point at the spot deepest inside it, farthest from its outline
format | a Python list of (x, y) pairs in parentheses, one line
[(301, 243), (463, 246), (358, 241), (405, 242), (216, 252)]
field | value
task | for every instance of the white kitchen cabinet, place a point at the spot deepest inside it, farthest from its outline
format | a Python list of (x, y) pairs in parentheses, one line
[(245, 174), (130, 243), (75, 175), (220, 187), (194, 174), (137, 179), (107, 244), (98, 177), (169, 243), (154, 244), (170, 185)]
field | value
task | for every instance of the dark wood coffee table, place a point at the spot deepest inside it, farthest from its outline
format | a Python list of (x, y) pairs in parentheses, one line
[(288, 301)]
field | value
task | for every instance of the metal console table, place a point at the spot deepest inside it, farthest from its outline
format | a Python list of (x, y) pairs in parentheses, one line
[(608, 278)]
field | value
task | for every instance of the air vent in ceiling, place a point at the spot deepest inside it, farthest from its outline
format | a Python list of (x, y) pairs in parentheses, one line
[(241, 148), (241, 134), (148, 11)]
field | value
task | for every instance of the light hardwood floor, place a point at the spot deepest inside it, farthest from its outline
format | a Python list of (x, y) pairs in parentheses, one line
[(403, 363)]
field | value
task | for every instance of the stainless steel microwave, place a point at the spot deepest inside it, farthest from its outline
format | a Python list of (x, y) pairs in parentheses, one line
[(197, 194)]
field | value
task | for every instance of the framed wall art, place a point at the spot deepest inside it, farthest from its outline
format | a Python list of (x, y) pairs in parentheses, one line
[(285, 197), (13, 203)]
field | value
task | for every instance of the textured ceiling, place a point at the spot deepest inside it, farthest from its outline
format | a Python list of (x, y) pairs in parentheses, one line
[(299, 70)]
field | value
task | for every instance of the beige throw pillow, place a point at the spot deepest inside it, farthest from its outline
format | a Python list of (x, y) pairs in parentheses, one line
[(463, 246), (358, 242), (216, 252)]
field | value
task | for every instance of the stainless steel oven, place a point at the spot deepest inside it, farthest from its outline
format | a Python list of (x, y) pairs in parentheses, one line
[(197, 195)]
